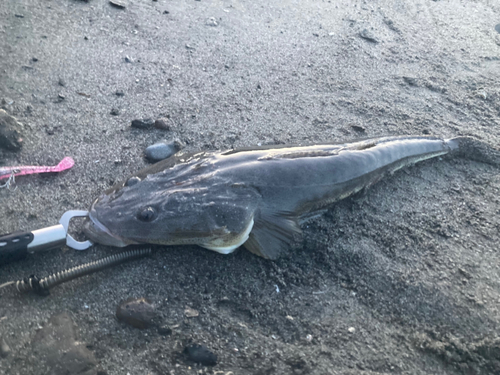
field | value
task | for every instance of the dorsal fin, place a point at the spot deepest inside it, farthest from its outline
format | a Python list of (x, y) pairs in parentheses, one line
[(272, 233)]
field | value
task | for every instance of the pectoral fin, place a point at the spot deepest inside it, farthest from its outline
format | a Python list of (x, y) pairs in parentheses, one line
[(272, 234)]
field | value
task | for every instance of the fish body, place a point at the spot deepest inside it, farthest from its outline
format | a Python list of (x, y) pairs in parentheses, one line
[(251, 197)]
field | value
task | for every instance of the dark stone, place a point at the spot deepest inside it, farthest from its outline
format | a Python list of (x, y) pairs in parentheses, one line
[(139, 313), (201, 354), (61, 82), (19, 15), (166, 12), (58, 352), (128, 59), (162, 123), (117, 4), (368, 35), (359, 129), (119, 93), (165, 330), (160, 151), (4, 349), (34, 59), (115, 111), (143, 124), (10, 132), (497, 27), (411, 81)]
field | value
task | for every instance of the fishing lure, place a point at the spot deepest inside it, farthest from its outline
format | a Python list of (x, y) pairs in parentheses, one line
[(12, 172)]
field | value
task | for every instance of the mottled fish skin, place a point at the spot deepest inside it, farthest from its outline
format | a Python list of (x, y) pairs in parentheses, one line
[(255, 197)]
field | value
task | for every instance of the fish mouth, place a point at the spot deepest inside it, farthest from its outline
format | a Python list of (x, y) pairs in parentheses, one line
[(98, 233)]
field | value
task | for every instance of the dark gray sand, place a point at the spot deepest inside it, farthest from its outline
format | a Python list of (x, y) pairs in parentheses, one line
[(403, 280)]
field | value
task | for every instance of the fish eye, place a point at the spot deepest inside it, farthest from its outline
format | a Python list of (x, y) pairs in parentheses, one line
[(147, 214), (132, 181)]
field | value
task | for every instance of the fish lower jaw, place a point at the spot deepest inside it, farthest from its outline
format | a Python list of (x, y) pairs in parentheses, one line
[(225, 246)]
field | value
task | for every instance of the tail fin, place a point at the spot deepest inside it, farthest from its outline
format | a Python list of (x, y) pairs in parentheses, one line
[(474, 149)]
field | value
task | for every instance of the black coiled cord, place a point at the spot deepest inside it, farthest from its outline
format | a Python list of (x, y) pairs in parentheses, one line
[(41, 286)]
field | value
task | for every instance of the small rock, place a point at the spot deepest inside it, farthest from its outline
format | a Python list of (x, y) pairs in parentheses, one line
[(351, 329), (115, 111), (166, 12), (410, 81), (142, 123), (160, 151), (165, 330), (4, 349), (139, 313), (368, 35), (201, 354), (61, 82), (212, 22), (481, 94), (34, 59), (58, 352), (497, 27), (359, 129), (7, 102), (119, 93), (19, 15), (117, 4), (190, 312), (162, 123), (10, 132), (61, 97), (309, 338), (128, 59)]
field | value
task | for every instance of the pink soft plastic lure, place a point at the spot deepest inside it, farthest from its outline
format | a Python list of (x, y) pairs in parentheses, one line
[(10, 172)]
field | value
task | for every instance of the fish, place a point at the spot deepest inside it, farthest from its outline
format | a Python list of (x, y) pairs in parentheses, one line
[(255, 197)]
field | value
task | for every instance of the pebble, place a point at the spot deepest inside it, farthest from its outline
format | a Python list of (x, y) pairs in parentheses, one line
[(117, 4), (4, 349), (212, 22), (119, 93), (10, 132), (358, 128), (368, 35), (160, 151), (58, 352), (165, 330), (115, 111), (412, 81), (162, 123), (128, 59), (201, 354), (139, 313), (497, 27), (191, 313), (61, 82), (142, 123), (351, 329)]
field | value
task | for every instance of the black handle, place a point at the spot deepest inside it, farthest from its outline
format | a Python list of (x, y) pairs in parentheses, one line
[(14, 246)]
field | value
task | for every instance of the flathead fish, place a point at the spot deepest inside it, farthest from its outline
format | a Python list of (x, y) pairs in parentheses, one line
[(253, 197)]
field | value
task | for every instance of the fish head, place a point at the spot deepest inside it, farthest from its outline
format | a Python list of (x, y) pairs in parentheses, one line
[(179, 205)]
